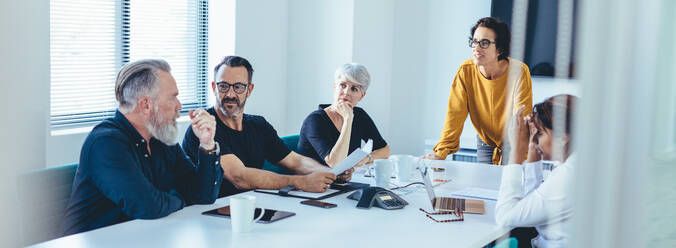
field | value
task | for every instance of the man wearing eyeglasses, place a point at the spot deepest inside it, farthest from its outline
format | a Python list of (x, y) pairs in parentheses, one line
[(248, 140)]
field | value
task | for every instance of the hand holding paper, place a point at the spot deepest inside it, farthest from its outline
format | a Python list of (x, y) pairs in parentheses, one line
[(354, 158)]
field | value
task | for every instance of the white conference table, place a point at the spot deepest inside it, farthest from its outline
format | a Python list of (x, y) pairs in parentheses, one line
[(343, 226)]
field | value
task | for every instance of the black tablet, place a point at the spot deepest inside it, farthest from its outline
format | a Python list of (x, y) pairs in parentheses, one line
[(269, 216)]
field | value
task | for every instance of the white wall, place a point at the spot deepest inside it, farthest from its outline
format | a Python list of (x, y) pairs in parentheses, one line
[(63, 147), (320, 37), (24, 49), (373, 47), (221, 39), (260, 37), (409, 76), (25, 73)]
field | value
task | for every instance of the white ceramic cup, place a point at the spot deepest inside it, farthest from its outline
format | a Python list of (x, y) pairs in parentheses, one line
[(384, 169), (405, 165), (242, 213)]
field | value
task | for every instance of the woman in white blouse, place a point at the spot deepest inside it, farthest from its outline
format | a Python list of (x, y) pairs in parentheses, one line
[(525, 199)]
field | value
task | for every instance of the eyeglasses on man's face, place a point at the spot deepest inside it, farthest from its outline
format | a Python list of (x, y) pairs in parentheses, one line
[(485, 43), (353, 88), (239, 88)]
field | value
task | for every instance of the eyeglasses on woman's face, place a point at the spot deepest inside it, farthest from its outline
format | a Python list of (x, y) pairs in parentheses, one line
[(239, 88), (485, 43)]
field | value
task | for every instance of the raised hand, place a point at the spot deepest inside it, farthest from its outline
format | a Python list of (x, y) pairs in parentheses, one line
[(204, 126), (533, 152), (519, 135)]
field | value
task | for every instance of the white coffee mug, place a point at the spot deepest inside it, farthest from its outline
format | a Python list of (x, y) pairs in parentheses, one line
[(384, 169), (242, 213), (405, 165)]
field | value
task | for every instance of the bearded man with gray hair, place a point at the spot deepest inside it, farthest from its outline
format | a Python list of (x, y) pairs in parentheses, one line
[(131, 166)]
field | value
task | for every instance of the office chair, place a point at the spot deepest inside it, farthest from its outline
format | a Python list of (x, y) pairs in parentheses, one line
[(43, 196), (291, 142)]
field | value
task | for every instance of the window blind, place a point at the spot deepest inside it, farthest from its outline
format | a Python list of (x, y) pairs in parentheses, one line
[(92, 39), (171, 30)]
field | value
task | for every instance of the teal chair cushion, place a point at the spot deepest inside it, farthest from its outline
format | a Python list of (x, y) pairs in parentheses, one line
[(43, 196), (508, 243), (291, 142)]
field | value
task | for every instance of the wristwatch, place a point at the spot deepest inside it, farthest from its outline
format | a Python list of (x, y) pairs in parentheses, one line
[(370, 158), (214, 151)]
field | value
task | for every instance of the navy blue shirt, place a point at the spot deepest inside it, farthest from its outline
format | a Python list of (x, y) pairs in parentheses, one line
[(257, 141), (318, 135), (117, 180)]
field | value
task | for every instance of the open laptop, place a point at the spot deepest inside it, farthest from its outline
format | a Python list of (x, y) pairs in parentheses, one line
[(449, 203)]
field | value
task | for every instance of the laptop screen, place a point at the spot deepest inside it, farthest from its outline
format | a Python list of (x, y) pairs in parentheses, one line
[(428, 183)]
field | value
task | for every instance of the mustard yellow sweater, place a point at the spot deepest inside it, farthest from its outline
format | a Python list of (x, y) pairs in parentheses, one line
[(490, 104)]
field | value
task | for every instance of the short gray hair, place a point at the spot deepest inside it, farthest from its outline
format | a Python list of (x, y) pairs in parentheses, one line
[(137, 79), (355, 73)]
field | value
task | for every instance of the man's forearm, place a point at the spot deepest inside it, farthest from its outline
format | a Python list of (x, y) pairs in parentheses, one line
[(251, 178), (307, 165)]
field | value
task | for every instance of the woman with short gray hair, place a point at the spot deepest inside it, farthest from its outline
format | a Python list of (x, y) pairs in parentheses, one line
[(331, 132)]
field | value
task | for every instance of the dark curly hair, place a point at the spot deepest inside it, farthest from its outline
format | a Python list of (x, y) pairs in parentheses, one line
[(502, 33), (544, 111)]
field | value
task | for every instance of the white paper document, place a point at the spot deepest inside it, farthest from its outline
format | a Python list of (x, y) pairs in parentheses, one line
[(301, 193), (354, 158), (367, 146), (479, 193)]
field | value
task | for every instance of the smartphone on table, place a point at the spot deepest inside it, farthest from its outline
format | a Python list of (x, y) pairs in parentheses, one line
[(320, 204)]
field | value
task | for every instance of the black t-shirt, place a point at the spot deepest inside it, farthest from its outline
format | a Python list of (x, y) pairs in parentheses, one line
[(257, 141), (318, 134)]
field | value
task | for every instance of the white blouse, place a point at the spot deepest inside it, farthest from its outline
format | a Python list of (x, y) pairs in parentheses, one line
[(525, 200)]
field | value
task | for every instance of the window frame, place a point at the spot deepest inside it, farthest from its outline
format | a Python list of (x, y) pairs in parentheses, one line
[(123, 25)]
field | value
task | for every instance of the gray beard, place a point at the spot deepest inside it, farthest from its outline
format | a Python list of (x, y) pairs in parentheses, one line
[(165, 131), (235, 113)]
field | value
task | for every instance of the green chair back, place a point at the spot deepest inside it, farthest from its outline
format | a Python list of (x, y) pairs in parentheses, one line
[(291, 142), (508, 243), (43, 196)]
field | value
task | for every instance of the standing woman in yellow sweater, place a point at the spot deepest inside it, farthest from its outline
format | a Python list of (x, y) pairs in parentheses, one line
[(490, 87)]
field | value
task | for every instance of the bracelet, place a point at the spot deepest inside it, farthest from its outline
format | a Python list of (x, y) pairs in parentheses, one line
[(370, 158), (214, 151)]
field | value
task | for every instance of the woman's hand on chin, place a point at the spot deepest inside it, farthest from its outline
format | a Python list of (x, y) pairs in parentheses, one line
[(344, 109)]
